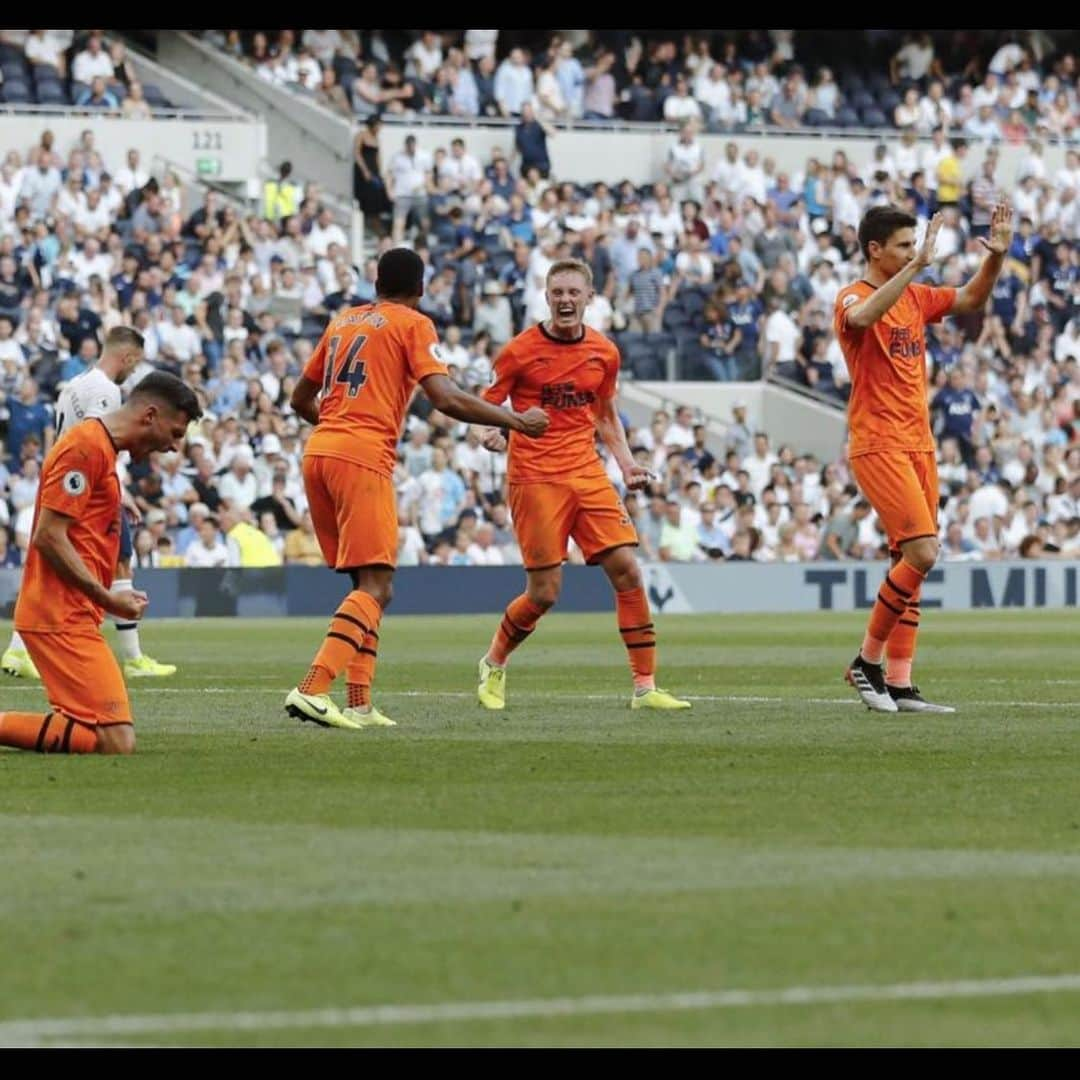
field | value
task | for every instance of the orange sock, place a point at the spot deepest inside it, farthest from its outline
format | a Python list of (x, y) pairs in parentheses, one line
[(518, 622), (357, 616), (47, 733), (900, 648), (360, 673), (638, 635), (901, 583)]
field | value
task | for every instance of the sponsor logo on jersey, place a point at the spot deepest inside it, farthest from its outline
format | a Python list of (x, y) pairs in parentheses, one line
[(562, 395), (903, 343)]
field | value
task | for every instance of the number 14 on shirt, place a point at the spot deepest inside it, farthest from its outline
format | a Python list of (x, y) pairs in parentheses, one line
[(353, 371)]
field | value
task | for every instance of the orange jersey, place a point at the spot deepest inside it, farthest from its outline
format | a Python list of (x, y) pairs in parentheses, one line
[(79, 481), (887, 364), (368, 363), (568, 380)]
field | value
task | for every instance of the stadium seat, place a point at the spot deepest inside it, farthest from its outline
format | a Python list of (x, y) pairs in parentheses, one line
[(312, 326), (16, 92), (676, 318), (642, 105), (878, 82), (873, 118), (346, 71), (887, 101), (862, 100), (850, 81), (692, 298), (846, 117), (154, 97), (690, 361), (815, 118), (51, 93), (500, 260), (76, 89)]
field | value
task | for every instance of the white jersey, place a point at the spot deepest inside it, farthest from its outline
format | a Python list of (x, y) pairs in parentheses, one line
[(86, 396)]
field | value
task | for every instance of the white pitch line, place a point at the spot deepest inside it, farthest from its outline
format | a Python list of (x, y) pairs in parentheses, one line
[(21, 1032), (535, 695)]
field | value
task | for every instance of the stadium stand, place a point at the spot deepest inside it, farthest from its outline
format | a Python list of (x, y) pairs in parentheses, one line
[(725, 272)]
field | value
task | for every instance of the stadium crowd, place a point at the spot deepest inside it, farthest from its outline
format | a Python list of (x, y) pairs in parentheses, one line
[(732, 263), (1005, 85), (80, 69)]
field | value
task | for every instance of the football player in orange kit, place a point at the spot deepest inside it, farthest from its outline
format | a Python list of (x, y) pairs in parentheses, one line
[(356, 388), (880, 322), (559, 488), (65, 590)]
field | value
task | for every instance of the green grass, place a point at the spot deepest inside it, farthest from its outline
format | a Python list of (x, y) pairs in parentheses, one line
[(777, 836)]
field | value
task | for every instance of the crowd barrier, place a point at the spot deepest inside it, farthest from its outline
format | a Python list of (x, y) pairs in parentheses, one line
[(673, 588)]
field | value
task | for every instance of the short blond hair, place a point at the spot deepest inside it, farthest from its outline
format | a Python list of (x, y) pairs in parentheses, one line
[(570, 266)]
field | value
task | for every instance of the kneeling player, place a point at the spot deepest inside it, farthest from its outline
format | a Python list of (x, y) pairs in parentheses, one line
[(66, 583)]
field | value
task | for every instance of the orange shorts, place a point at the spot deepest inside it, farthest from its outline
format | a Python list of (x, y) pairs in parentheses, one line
[(546, 515), (354, 512), (81, 676), (902, 486)]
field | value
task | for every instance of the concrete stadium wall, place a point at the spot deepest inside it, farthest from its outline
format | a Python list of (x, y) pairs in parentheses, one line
[(318, 143), (638, 155), (788, 417), (672, 588), (222, 147)]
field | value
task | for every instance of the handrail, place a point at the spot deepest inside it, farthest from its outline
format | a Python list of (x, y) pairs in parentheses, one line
[(889, 134), (265, 91), (195, 180), (13, 109), (805, 391), (144, 57)]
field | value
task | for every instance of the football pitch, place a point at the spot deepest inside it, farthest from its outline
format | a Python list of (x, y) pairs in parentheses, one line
[(776, 867)]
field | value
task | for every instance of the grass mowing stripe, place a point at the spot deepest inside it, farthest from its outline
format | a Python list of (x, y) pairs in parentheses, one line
[(21, 1032)]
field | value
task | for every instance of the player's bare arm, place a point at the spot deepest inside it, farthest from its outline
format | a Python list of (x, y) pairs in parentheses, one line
[(52, 540), (611, 431), (305, 399), (973, 296), (449, 398), (127, 501), (902, 245)]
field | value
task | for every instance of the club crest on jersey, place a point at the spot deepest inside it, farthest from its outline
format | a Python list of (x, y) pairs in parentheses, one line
[(850, 299), (903, 343), (74, 482)]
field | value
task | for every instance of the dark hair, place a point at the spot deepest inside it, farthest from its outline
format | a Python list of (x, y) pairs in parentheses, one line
[(170, 390), (120, 337), (879, 223), (401, 273)]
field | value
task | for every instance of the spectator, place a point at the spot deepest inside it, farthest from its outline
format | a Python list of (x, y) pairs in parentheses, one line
[(678, 537), (513, 83), (92, 63), (208, 550), (647, 292), (530, 141)]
